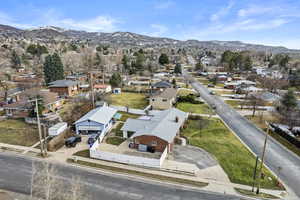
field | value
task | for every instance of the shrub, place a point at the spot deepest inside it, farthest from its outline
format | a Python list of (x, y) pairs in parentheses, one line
[(189, 99)]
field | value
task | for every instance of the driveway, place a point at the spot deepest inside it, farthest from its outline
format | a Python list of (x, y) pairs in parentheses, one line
[(189, 154)]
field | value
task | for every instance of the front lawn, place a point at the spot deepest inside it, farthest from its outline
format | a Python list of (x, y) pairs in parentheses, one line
[(234, 103), (185, 92), (194, 108), (132, 100), (17, 132), (232, 155)]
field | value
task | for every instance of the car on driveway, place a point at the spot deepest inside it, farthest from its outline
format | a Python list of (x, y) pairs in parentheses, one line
[(92, 139), (211, 85), (72, 141), (212, 93)]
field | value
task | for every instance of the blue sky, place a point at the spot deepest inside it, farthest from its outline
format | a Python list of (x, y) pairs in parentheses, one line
[(274, 22)]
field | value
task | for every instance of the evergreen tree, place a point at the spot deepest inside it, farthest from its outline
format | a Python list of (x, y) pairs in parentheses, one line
[(177, 69), (199, 66), (15, 59), (289, 100), (125, 61), (115, 80), (53, 68), (163, 59)]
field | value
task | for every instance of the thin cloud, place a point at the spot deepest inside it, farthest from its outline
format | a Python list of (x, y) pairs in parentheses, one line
[(51, 18), (257, 10), (222, 12), (161, 5)]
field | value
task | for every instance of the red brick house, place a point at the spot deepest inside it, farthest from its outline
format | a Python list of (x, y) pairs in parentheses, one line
[(157, 131)]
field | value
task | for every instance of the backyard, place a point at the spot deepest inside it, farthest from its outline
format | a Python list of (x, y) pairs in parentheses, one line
[(232, 155), (194, 108), (132, 100), (17, 132)]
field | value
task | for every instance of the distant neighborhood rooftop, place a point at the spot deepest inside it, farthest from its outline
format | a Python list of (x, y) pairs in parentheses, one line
[(162, 84), (62, 83), (168, 93)]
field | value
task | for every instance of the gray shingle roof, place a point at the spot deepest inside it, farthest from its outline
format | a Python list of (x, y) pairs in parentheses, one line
[(62, 83), (101, 115), (161, 124), (168, 93), (162, 84)]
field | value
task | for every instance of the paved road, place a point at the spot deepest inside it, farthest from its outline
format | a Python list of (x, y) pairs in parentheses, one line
[(15, 175), (276, 155)]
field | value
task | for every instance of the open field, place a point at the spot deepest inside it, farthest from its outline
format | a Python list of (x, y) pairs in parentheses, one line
[(132, 100), (194, 108), (232, 155), (17, 132)]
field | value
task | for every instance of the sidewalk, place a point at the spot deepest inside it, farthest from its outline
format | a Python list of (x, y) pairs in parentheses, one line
[(202, 176)]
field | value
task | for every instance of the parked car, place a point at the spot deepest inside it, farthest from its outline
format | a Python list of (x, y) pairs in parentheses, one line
[(214, 106), (72, 141), (212, 93), (92, 139), (211, 85)]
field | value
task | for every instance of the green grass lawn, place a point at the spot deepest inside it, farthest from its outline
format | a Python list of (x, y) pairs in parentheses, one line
[(194, 108), (253, 194), (224, 92), (185, 92), (115, 140), (126, 115), (17, 132), (117, 130), (84, 153), (232, 155), (234, 103), (132, 100)]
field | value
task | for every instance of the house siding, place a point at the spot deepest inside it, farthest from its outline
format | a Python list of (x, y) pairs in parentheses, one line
[(148, 140), (159, 103)]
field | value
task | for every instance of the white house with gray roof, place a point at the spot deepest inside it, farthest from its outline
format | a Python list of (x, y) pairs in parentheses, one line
[(98, 120)]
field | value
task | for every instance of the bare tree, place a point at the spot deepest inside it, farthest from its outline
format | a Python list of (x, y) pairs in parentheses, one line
[(47, 185)]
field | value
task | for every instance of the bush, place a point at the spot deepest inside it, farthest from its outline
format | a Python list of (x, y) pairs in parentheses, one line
[(189, 99)]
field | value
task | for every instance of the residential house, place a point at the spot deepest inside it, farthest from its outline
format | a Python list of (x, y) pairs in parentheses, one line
[(21, 108), (162, 85), (102, 88), (162, 100), (157, 131), (98, 120), (12, 95), (64, 87)]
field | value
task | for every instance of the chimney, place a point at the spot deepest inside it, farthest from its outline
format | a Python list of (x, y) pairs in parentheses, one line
[(176, 119)]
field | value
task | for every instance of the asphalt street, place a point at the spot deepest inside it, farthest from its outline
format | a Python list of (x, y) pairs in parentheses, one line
[(281, 161), (15, 175)]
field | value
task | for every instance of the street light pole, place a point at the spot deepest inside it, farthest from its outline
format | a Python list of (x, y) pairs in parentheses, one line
[(39, 126), (263, 158)]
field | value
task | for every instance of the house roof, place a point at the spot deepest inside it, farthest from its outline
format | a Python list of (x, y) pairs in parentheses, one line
[(162, 84), (101, 86), (168, 93), (48, 97), (162, 124), (100, 115), (62, 83)]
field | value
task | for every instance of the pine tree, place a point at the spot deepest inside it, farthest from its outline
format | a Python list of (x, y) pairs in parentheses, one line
[(163, 59), (53, 68), (115, 80), (15, 59), (177, 69)]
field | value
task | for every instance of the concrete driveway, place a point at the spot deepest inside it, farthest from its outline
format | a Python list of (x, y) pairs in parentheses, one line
[(189, 154)]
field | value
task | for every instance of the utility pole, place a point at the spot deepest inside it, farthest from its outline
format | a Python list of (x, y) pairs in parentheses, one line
[(92, 89), (263, 158), (254, 173), (45, 139), (39, 126)]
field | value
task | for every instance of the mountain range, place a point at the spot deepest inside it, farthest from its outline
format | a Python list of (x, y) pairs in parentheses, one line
[(51, 33)]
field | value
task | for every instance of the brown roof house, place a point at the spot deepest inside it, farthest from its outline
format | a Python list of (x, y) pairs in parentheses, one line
[(64, 87), (24, 106), (162, 100)]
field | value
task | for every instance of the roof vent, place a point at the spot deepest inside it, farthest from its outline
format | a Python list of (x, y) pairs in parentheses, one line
[(176, 119)]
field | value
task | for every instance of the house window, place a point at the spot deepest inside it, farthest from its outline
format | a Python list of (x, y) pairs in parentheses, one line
[(153, 143), (164, 100), (153, 99)]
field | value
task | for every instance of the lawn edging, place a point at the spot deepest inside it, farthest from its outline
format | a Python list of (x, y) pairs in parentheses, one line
[(261, 195)]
